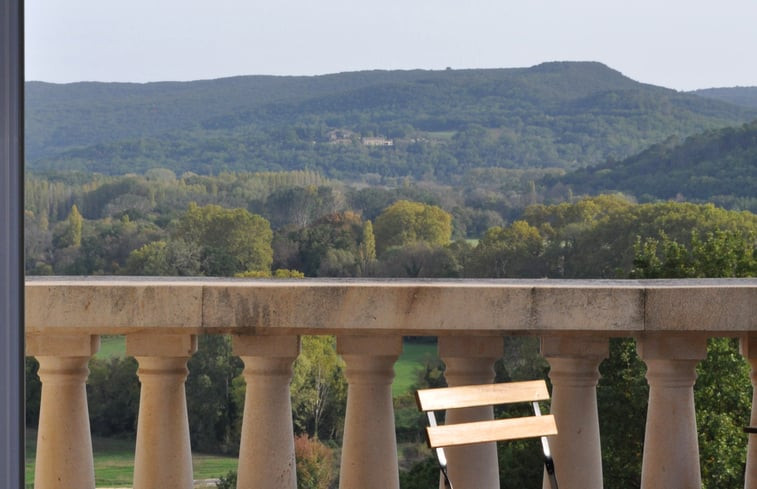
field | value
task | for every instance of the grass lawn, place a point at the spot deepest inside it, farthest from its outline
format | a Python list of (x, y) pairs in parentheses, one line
[(112, 346), (114, 462), (409, 364)]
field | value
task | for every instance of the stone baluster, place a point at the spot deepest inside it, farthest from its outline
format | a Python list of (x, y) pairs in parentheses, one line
[(749, 350), (469, 361), (671, 449), (574, 372), (266, 454), (163, 457), (369, 448), (64, 444)]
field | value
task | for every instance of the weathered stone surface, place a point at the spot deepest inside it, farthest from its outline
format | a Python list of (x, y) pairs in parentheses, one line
[(62, 346), (703, 305), (109, 305), (588, 306), (366, 307), (266, 346), (160, 345), (112, 305)]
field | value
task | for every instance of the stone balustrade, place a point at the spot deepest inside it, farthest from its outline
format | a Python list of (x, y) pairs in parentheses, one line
[(161, 318)]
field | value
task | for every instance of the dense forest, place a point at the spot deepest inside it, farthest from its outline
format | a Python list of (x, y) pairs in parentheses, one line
[(425, 124), (716, 166)]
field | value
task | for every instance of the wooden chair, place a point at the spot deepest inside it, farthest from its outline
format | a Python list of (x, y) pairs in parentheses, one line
[(440, 436)]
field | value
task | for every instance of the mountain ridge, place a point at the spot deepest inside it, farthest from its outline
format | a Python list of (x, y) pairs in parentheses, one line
[(560, 114)]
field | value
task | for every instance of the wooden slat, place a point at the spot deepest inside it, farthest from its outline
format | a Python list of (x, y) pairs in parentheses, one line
[(481, 395), (489, 431)]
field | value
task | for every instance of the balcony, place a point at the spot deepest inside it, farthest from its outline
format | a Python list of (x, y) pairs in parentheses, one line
[(670, 320)]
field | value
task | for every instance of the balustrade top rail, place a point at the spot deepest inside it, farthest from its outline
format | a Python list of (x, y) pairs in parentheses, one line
[(121, 305)]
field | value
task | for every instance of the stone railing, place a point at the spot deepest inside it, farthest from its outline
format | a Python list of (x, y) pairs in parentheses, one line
[(161, 318)]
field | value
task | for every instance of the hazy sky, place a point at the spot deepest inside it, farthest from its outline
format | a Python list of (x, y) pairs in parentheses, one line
[(674, 43)]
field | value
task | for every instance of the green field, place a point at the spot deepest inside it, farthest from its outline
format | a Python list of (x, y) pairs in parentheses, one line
[(114, 462), (112, 346), (409, 364)]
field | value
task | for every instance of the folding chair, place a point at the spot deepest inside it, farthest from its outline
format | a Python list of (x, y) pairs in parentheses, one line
[(439, 436)]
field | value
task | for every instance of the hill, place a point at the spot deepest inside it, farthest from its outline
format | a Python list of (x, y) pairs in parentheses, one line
[(717, 165), (742, 96), (391, 123)]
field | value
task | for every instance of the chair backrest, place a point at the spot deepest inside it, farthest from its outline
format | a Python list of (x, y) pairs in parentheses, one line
[(440, 436)]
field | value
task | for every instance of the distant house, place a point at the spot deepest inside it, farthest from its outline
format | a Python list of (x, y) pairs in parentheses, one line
[(340, 136), (379, 141)]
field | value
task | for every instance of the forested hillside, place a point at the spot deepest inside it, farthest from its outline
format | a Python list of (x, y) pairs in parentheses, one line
[(715, 166), (743, 96), (426, 124)]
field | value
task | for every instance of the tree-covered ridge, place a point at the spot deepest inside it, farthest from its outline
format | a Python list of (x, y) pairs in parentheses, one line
[(435, 124), (718, 165), (742, 96)]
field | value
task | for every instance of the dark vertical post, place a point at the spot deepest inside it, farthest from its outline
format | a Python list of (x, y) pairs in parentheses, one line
[(11, 244)]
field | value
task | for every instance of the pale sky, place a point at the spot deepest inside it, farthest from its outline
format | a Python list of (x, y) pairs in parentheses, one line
[(681, 44)]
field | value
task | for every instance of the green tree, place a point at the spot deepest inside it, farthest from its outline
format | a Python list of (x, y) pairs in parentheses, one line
[(150, 259), (723, 401), (419, 260), (367, 250), (327, 247), (70, 234), (230, 240), (594, 237), (512, 251), (211, 407), (105, 246), (338, 263), (37, 245), (622, 395), (173, 257), (299, 206), (717, 254), (113, 396), (319, 390), (75, 223), (405, 223)]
